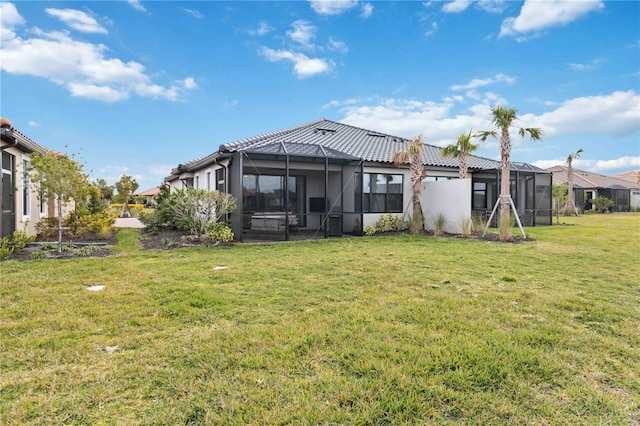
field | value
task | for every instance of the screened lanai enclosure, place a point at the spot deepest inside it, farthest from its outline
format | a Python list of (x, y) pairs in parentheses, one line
[(531, 192), (293, 191)]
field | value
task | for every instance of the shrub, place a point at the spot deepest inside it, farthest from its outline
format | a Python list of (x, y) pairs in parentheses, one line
[(20, 239), (47, 227), (369, 230), (6, 249), (197, 211), (478, 221), (602, 204), (439, 224), (466, 226), (98, 224), (221, 233), (390, 222)]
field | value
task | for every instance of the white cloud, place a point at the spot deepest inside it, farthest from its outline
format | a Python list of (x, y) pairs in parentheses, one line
[(536, 15), (480, 82), (263, 29), (77, 20), (231, 104), (491, 6), (431, 30), (96, 92), (590, 66), (596, 166), (338, 46), (303, 66), (189, 83), (303, 32), (9, 19), (456, 6), (367, 10), (137, 5), (82, 68), (33, 124), (408, 118), (196, 14), (115, 169), (160, 169), (332, 7), (613, 114)]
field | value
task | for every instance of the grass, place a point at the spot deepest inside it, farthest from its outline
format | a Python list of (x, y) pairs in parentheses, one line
[(391, 330)]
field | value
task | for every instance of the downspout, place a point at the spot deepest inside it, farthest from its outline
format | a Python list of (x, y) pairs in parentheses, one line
[(286, 196), (361, 197), (241, 201), (326, 188)]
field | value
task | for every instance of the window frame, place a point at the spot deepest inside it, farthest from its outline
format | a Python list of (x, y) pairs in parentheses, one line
[(376, 200)]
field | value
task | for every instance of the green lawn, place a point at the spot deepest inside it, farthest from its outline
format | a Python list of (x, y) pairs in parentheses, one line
[(378, 330)]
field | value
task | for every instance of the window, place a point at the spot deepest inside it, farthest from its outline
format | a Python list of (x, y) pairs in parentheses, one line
[(479, 195), (208, 181), (26, 182), (220, 178), (381, 193), (265, 193), (197, 184)]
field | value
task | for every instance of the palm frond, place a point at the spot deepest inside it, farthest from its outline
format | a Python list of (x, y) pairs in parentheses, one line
[(535, 133), (484, 134), (400, 157)]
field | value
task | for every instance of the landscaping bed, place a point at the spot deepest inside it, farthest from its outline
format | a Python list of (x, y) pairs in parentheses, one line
[(73, 246)]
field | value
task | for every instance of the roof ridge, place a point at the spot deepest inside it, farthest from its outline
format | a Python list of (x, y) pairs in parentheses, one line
[(258, 138)]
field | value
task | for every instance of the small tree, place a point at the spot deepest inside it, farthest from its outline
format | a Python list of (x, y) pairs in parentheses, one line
[(61, 177), (559, 198), (461, 150), (413, 156), (106, 190), (502, 118), (126, 186)]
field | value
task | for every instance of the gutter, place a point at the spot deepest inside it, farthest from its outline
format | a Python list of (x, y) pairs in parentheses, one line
[(7, 134)]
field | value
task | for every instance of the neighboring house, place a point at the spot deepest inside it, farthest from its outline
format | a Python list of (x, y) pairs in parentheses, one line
[(148, 195), (326, 178), (588, 185), (22, 208), (634, 178)]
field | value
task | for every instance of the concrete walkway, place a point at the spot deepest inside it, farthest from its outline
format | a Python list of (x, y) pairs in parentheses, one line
[(128, 222)]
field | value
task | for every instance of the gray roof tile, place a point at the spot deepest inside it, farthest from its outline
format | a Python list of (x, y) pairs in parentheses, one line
[(353, 141)]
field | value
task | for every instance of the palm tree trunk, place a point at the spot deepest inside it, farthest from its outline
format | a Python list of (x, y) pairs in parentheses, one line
[(417, 171), (462, 173), (569, 205), (505, 178)]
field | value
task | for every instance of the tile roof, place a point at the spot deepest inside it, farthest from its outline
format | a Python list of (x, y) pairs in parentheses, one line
[(589, 180), (631, 176), (342, 140)]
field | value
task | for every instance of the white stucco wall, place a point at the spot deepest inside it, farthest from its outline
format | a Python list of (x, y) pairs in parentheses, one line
[(452, 198)]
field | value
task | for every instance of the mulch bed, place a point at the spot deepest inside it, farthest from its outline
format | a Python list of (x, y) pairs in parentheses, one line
[(168, 239), (73, 246)]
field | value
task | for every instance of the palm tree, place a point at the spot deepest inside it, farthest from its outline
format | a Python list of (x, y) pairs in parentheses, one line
[(413, 156), (460, 150), (570, 200), (503, 118)]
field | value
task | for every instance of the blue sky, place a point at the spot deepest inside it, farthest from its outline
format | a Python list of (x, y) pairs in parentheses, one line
[(136, 87)]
